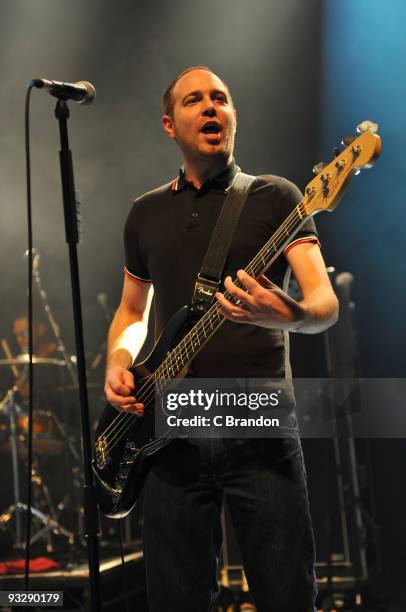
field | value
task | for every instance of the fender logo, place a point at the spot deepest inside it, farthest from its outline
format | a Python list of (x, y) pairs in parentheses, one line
[(205, 291)]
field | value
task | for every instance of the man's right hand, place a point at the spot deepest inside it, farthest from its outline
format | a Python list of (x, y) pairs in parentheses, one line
[(118, 389)]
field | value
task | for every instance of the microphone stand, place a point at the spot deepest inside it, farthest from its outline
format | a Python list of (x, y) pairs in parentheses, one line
[(91, 515)]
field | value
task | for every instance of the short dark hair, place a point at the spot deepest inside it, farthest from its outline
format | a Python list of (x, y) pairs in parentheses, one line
[(167, 99)]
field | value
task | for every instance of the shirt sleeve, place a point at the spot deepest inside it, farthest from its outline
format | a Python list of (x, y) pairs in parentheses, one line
[(290, 197), (135, 264)]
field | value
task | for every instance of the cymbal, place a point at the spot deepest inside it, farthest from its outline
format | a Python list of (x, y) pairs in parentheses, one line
[(24, 360)]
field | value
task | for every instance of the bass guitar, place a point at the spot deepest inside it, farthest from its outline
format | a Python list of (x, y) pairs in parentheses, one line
[(124, 442)]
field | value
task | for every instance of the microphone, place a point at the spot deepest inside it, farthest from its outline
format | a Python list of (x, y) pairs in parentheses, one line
[(344, 280), (82, 91)]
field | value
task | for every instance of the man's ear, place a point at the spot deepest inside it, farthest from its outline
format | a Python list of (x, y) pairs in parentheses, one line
[(167, 124), (235, 117)]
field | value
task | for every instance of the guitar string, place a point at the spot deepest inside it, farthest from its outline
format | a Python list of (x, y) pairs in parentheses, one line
[(185, 344), (296, 215)]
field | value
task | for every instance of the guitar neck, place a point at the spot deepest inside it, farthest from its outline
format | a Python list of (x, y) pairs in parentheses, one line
[(197, 337)]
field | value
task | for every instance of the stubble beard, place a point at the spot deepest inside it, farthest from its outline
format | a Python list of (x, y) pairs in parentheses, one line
[(223, 152)]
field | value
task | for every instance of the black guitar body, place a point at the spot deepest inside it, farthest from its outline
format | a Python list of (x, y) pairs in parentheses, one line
[(121, 461)]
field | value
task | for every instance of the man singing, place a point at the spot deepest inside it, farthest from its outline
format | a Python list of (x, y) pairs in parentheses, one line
[(166, 237)]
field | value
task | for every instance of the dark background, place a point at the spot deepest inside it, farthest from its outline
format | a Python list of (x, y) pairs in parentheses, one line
[(302, 75)]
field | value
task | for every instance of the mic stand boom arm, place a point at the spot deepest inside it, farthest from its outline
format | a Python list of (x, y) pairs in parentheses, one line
[(55, 327), (72, 238)]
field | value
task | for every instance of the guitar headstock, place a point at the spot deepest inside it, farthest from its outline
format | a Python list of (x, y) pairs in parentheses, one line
[(326, 190)]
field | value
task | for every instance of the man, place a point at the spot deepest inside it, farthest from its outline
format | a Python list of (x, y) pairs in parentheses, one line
[(42, 345), (48, 378), (166, 236)]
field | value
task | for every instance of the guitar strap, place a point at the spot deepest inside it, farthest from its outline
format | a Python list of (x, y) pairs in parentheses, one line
[(209, 278)]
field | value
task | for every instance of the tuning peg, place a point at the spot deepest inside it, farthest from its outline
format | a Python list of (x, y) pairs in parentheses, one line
[(367, 126), (347, 140), (336, 151), (319, 167)]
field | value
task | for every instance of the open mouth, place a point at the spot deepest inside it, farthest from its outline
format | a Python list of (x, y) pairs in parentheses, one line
[(211, 127)]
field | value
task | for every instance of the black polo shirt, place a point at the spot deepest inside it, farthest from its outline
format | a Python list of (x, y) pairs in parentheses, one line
[(166, 236)]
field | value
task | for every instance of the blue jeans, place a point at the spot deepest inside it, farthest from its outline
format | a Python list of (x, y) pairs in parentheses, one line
[(265, 485)]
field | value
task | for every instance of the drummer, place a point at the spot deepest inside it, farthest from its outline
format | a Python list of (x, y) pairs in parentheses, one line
[(46, 378), (42, 346)]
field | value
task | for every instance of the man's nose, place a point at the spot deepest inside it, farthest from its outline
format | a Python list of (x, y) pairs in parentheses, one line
[(209, 109)]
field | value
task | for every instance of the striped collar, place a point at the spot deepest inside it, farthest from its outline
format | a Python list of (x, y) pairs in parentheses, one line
[(221, 181)]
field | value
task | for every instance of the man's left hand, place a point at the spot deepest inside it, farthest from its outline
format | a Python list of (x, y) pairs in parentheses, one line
[(261, 303)]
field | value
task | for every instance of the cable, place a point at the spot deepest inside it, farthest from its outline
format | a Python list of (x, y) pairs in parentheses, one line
[(30, 337)]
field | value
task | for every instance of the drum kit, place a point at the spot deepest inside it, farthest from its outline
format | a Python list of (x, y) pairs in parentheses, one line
[(50, 440), (56, 508)]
